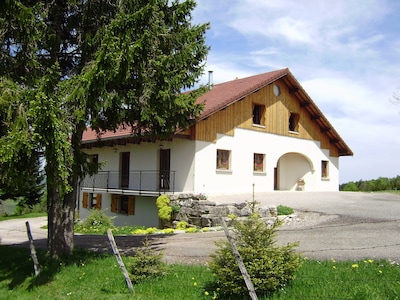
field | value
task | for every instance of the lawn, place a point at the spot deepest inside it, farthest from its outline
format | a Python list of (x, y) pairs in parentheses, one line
[(87, 275)]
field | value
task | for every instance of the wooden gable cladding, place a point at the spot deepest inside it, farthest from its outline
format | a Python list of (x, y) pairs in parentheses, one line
[(277, 110)]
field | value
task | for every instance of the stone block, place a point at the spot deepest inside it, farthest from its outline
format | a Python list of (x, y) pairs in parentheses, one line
[(245, 212), (196, 221)]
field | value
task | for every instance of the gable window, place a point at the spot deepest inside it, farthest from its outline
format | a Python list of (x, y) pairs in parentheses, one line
[(123, 204), (91, 200), (258, 114), (223, 159), (258, 165), (294, 122), (325, 169)]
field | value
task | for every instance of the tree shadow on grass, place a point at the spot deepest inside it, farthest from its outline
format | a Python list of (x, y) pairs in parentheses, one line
[(17, 270)]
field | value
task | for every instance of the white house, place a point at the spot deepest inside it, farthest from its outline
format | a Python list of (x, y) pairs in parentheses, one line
[(263, 130)]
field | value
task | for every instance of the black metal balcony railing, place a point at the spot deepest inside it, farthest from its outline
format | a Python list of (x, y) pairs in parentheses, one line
[(140, 181)]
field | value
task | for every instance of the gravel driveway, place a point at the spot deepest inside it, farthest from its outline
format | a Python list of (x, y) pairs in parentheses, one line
[(344, 226)]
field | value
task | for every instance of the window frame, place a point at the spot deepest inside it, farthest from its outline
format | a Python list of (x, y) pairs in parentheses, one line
[(258, 114), (116, 204), (256, 165), (223, 159), (294, 119), (324, 169), (91, 200)]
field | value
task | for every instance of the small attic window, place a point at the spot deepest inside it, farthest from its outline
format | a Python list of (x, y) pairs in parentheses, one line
[(258, 114), (294, 122)]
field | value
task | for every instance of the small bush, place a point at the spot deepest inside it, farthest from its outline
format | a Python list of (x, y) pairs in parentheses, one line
[(167, 231), (96, 222), (164, 210), (146, 263), (182, 225), (270, 267), (284, 210), (162, 201), (192, 230), (175, 208)]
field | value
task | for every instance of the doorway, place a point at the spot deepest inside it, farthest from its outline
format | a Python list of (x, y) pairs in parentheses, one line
[(165, 168)]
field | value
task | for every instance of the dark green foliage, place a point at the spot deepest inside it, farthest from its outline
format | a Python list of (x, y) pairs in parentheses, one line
[(373, 185), (270, 267), (146, 263), (284, 210), (67, 64)]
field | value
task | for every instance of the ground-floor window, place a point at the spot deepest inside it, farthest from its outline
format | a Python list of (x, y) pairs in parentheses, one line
[(91, 200), (123, 204), (325, 169), (223, 159), (258, 165)]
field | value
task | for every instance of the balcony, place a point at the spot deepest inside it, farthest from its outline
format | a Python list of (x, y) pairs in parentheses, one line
[(137, 182)]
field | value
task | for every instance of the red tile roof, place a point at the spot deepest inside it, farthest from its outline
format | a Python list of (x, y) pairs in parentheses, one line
[(224, 94), (91, 135)]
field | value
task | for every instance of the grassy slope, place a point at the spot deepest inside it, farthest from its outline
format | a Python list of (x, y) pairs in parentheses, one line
[(94, 276)]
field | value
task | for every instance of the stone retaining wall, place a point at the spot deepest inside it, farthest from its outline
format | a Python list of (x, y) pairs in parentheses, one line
[(197, 211)]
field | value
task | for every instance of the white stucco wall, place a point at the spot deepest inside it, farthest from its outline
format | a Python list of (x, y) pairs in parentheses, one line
[(145, 212), (303, 159), (294, 158)]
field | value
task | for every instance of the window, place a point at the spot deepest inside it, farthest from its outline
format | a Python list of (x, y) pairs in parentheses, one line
[(258, 162), (94, 159), (325, 169), (258, 114), (223, 157), (294, 122), (124, 167), (91, 201), (123, 204)]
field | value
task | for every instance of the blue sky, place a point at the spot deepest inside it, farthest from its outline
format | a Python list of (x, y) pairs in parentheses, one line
[(345, 53)]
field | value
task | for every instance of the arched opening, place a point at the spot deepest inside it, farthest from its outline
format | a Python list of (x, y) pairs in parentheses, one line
[(292, 172)]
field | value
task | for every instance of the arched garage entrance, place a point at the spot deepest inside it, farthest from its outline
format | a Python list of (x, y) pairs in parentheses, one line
[(289, 169)]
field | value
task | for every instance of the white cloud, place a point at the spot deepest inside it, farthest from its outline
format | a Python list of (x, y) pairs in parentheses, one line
[(344, 53)]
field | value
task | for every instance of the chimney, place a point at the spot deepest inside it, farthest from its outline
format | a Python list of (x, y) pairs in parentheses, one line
[(210, 79)]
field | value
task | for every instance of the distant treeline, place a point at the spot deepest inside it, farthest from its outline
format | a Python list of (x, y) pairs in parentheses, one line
[(380, 184)]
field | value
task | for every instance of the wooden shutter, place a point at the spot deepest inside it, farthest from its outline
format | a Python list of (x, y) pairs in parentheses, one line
[(85, 197), (131, 205), (98, 201), (114, 203)]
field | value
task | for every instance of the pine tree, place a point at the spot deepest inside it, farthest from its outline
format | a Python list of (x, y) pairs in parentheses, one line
[(103, 63)]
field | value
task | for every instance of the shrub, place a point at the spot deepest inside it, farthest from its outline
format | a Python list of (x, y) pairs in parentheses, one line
[(192, 230), (270, 267), (162, 201), (284, 210), (175, 208), (167, 231), (181, 225), (96, 221), (164, 210), (146, 263)]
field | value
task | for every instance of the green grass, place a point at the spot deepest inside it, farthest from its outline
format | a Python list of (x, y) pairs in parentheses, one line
[(87, 275), (365, 279), (284, 210), (30, 215)]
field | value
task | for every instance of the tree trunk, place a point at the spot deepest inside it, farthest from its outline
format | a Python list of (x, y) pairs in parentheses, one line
[(55, 244)]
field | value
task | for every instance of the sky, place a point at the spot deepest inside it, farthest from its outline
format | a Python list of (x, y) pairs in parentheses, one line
[(345, 54)]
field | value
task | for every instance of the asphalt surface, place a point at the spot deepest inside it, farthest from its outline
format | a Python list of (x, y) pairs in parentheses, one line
[(343, 226)]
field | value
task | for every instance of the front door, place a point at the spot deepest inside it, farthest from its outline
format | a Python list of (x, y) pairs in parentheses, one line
[(165, 168)]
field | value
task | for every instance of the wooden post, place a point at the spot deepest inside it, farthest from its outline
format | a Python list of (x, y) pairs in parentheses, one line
[(239, 261), (36, 265), (119, 260)]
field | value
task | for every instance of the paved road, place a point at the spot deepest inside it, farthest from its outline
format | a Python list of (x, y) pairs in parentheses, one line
[(329, 225)]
